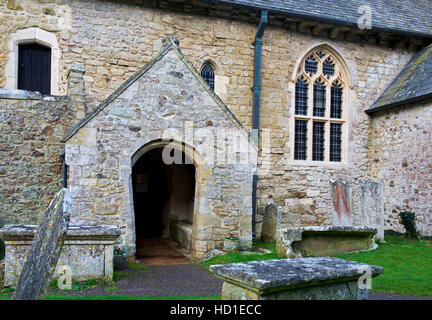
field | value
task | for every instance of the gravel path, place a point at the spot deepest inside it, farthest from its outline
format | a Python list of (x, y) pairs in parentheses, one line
[(163, 281)]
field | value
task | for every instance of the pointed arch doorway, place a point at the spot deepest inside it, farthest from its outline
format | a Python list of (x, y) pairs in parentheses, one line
[(164, 198)]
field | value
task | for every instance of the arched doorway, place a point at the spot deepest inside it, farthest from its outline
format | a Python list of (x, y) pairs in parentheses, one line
[(164, 197)]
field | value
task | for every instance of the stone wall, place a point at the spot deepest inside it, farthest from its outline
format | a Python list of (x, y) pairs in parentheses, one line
[(113, 39), (30, 163), (303, 190), (401, 156), (32, 127)]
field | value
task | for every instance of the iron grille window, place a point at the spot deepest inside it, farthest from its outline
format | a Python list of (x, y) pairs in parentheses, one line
[(300, 145), (208, 75), (336, 101), (335, 142), (34, 68), (328, 68), (301, 97), (319, 99), (311, 66), (318, 141)]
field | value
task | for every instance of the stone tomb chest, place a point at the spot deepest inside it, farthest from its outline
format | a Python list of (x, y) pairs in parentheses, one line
[(323, 241), (295, 279), (87, 250)]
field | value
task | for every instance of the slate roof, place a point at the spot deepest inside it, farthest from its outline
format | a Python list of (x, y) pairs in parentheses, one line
[(413, 83), (406, 17)]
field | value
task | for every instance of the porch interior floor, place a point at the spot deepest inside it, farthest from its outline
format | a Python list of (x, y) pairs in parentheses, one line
[(159, 251)]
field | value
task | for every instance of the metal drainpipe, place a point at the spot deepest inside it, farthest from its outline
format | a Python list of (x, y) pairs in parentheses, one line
[(256, 102), (62, 155)]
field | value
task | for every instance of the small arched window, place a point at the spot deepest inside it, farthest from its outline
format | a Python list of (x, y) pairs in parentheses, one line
[(208, 75), (320, 107), (34, 68)]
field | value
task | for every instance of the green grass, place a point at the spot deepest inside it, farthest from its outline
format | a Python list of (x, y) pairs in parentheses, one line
[(407, 270), (238, 257), (407, 265)]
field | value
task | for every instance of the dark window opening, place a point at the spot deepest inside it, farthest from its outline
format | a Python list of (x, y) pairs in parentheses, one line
[(300, 142), (208, 75), (318, 141), (336, 101), (301, 97), (34, 68), (335, 142), (319, 99)]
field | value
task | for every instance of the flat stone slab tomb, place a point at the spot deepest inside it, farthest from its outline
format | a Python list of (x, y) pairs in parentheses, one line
[(87, 250), (323, 241), (320, 278)]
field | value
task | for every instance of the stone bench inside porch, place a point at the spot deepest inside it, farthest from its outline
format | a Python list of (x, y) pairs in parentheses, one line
[(321, 278)]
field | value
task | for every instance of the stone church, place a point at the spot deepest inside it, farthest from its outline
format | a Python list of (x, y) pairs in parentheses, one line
[(160, 115)]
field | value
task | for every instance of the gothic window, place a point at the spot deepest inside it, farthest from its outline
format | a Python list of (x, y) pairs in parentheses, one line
[(319, 108), (208, 75)]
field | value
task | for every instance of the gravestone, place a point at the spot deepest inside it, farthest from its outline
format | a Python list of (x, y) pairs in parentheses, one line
[(372, 205), (341, 196), (45, 250), (270, 223)]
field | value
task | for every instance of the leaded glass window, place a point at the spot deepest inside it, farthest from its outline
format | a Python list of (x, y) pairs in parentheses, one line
[(319, 107), (301, 96), (300, 146), (335, 142), (328, 68), (318, 141), (336, 101), (311, 65), (319, 98), (208, 75)]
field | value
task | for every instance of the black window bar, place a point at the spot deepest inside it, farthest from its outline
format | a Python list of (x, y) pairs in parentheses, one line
[(335, 142), (301, 97), (300, 140), (336, 101), (318, 141), (319, 98), (208, 75)]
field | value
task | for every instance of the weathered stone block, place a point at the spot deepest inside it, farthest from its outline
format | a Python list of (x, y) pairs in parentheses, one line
[(323, 241), (87, 250), (271, 220), (295, 279)]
